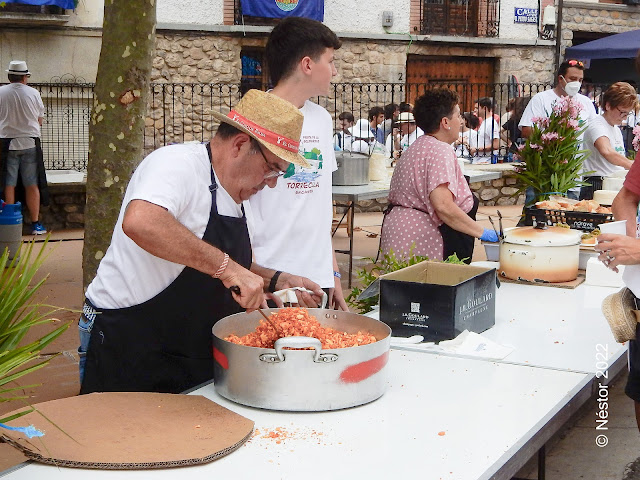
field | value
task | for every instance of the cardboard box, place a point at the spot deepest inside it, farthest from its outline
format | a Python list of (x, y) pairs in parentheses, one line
[(438, 300)]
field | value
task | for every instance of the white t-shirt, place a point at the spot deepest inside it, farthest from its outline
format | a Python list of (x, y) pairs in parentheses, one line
[(405, 141), (176, 177), (482, 138), (290, 225), (599, 127), (541, 105), (20, 108)]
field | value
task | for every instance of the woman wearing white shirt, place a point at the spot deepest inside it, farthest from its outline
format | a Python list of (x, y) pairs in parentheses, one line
[(603, 137)]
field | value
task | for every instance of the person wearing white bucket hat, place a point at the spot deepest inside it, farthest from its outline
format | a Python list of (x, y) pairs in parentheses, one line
[(22, 164), (180, 257), (363, 137)]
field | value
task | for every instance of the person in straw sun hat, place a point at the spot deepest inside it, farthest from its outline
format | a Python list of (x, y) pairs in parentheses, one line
[(180, 257)]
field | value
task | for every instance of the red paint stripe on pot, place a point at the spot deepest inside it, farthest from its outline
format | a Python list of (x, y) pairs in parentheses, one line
[(221, 358), (361, 371)]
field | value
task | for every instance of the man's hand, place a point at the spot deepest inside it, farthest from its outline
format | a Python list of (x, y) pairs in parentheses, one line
[(287, 280), (251, 286), (618, 250)]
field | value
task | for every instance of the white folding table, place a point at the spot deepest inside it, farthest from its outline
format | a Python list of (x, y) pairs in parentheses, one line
[(442, 417)]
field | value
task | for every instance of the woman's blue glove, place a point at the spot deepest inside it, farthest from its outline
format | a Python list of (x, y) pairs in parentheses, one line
[(489, 235)]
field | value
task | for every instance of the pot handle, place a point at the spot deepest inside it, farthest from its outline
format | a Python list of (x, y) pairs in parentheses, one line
[(524, 253), (300, 342)]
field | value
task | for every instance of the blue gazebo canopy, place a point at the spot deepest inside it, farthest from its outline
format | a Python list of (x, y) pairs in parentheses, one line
[(621, 45)]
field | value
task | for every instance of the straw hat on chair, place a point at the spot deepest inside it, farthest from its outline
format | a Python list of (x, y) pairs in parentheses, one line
[(620, 311)]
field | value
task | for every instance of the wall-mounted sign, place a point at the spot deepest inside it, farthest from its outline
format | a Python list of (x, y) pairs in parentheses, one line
[(525, 15)]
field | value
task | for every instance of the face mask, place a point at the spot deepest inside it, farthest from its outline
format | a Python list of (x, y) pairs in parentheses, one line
[(571, 88)]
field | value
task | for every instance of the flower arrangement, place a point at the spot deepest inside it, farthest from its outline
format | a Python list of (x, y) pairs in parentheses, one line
[(636, 138), (552, 156)]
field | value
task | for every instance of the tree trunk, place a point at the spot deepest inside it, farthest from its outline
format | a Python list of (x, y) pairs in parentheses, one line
[(117, 120)]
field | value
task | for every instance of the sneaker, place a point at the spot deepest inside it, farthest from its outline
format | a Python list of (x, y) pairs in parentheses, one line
[(38, 229)]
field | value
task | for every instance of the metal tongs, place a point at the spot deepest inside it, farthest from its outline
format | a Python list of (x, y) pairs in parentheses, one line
[(500, 233)]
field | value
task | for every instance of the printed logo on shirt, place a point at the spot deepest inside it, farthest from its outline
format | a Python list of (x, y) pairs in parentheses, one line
[(305, 180)]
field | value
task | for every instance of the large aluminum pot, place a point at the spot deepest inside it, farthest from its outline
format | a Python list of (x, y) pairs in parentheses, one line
[(301, 380), (540, 255), (353, 169)]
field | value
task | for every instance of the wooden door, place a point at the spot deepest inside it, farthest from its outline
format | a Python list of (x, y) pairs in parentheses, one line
[(471, 77)]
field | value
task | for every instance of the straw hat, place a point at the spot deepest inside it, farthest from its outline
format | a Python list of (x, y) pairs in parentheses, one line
[(620, 311), (18, 67), (361, 129), (272, 121), (406, 117)]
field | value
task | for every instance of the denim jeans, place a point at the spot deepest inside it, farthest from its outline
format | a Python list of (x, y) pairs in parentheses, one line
[(85, 325), (26, 163)]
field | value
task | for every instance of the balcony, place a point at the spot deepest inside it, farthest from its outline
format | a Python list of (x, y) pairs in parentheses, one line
[(467, 18), (15, 14)]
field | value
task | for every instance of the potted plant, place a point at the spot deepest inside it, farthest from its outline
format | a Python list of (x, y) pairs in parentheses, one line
[(18, 314), (552, 158)]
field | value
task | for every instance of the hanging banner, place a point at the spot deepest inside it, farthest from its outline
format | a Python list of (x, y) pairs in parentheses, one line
[(67, 4), (313, 9)]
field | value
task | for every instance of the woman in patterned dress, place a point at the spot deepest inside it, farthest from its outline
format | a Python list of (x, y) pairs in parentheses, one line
[(431, 208)]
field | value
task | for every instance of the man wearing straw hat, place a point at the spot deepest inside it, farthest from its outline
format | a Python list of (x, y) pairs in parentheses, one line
[(21, 113), (291, 224), (179, 245)]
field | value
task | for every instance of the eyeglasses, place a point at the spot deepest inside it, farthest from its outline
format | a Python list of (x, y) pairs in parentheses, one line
[(622, 112), (575, 63), (274, 171)]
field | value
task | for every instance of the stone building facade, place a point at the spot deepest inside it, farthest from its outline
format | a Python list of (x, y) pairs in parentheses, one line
[(593, 17)]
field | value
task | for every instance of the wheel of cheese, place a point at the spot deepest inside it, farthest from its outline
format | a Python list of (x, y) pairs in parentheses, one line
[(612, 183), (605, 197)]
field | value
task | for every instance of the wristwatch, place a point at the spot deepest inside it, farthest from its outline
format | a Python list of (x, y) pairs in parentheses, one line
[(337, 274)]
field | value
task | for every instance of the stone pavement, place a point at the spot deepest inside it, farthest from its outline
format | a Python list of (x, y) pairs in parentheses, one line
[(571, 455)]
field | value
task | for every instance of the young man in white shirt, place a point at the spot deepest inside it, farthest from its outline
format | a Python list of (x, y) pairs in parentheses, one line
[(568, 82), (290, 225), (342, 139), (486, 143)]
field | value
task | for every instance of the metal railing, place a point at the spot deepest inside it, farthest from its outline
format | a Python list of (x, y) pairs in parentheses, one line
[(180, 112)]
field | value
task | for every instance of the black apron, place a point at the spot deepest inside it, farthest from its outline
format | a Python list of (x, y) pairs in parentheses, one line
[(165, 344), (42, 174), (457, 242)]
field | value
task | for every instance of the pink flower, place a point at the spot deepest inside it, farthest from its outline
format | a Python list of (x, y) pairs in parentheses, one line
[(636, 130), (521, 147), (573, 123), (549, 137), (535, 146), (564, 161)]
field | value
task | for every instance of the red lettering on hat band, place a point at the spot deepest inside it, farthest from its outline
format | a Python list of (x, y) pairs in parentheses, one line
[(267, 135)]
